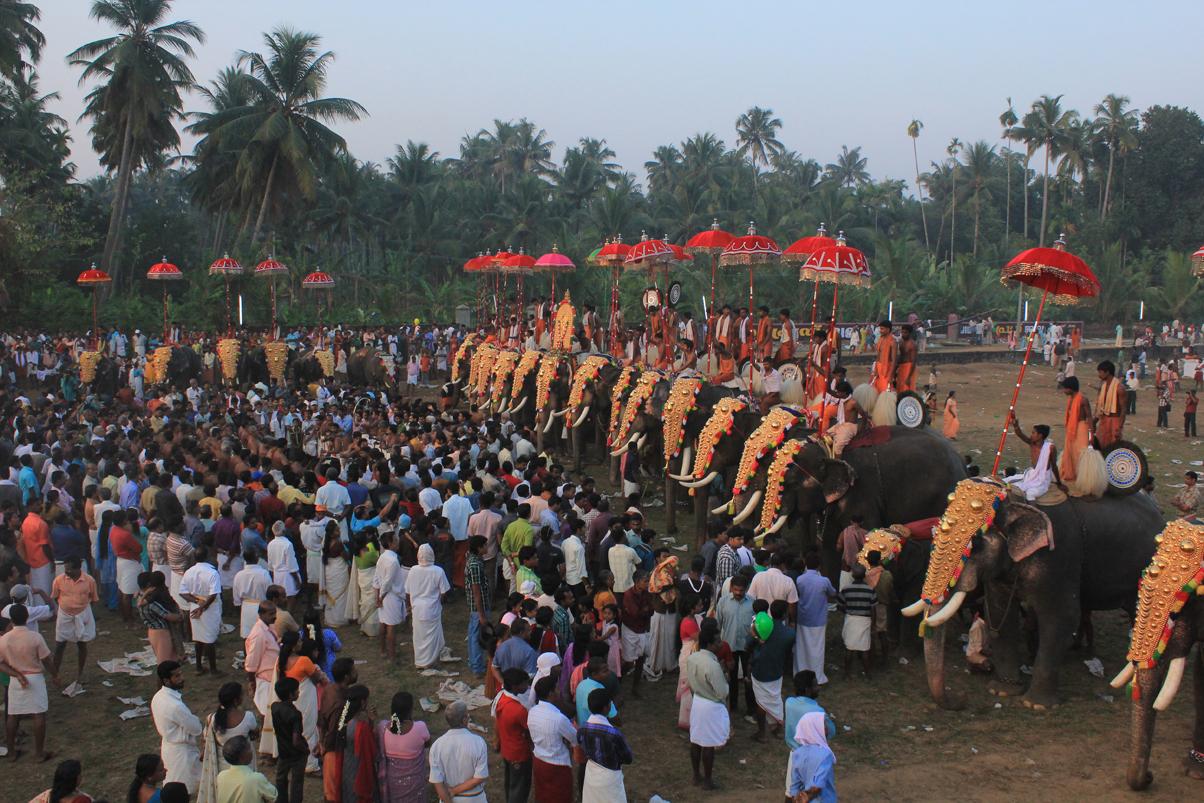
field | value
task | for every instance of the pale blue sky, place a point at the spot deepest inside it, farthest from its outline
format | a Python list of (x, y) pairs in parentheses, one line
[(642, 74)]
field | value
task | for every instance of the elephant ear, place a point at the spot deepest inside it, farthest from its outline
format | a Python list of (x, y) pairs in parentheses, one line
[(837, 477), (1027, 530)]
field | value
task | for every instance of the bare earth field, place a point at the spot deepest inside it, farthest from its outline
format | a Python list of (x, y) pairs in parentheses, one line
[(892, 744)]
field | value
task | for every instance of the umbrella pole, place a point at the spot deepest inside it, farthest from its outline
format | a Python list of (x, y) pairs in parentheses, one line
[(165, 337), (714, 265), (1007, 422), (273, 332), (229, 327), (95, 325), (810, 340)]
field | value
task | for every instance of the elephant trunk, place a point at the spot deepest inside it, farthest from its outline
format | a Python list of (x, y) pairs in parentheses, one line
[(934, 663), (1141, 735)]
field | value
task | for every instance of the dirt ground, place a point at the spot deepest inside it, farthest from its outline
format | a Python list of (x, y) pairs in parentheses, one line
[(892, 742)]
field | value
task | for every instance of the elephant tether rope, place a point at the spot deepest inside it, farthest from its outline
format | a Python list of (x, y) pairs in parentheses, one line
[(986, 606)]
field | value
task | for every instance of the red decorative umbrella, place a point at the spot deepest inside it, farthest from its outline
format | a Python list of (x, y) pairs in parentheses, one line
[(519, 265), (651, 254), (94, 277), (319, 280), (611, 255), (799, 252), (838, 263), (226, 267), (749, 251), (1197, 262), (711, 242), (554, 262), (271, 268), (1053, 271), (164, 271)]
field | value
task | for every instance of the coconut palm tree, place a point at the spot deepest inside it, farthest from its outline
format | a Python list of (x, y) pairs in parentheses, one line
[(849, 168), (33, 140), (953, 149), (913, 130), (600, 155), (1006, 121), (979, 164), (1048, 122), (21, 42), (287, 141), (756, 137), (140, 73), (1118, 126)]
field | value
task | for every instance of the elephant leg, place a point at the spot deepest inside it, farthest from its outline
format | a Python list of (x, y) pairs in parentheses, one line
[(1002, 614), (614, 470), (577, 444), (1056, 622), (539, 425), (1195, 767), (671, 486), (700, 517)]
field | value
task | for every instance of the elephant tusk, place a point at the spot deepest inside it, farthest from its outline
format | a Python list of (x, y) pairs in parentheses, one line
[(1170, 686), (548, 426), (753, 501), (719, 511), (622, 449), (947, 610), (503, 406), (687, 459), (1125, 675), (778, 524), (914, 609), (519, 406), (639, 444), (558, 413), (581, 418), (707, 480)]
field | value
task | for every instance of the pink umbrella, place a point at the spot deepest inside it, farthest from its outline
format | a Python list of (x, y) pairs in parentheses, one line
[(554, 262)]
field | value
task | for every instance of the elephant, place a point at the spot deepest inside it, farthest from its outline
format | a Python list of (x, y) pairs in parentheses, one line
[(723, 456), (306, 369), (555, 376), (108, 378), (253, 367), (591, 416), (1055, 561), (366, 368), (1166, 597), (183, 366)]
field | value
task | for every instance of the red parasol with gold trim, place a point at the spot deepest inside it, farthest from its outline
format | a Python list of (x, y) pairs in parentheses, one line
[(226, 267), (1197, 262), (1054, 271), (164, 271), (711, 242), (750, 251), (94, 277)]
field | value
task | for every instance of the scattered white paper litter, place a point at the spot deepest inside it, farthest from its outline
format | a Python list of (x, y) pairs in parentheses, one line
[(1095, 666), (227, 628), (135, 713), (132, 700), (428, 705), (451, 691), (438, 673)]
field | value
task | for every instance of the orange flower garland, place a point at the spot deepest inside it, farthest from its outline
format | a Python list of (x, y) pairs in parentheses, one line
[(526, 365), (640, 394), (543, 380), (718, 425), (679, 405), (616, 400), (503, 369), (586, 372), (775, 481), (562, 325), (972, 508), (461, 353), (481, 368), (764, 439)]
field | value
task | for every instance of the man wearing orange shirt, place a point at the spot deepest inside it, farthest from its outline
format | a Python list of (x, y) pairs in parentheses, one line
[(785, 338), (744, 335), (34, 547), (905, 373), (74, 592), (27, 658), (888, 358), (1110, 405), (764, 338), (819, 356)]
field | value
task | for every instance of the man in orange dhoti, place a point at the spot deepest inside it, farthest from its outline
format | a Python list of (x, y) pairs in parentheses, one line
[(541, 319), (764, 343), (724, 329), (744, 335), (905, 372), (1078, 429), (785, 339), (1110, 406), (726, 370), (820, 356), (888, 358)]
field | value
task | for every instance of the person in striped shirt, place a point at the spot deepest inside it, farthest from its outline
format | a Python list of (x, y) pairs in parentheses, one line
[(857, 600)]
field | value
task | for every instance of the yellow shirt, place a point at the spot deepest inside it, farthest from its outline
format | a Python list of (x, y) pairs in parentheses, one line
[(241, 784), (288, 494), (214, 504)]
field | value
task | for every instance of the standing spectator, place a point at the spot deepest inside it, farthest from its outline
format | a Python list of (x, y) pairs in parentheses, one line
[(330, 709), (815, 591), (201, 588), (65, 788), (811, 763), (1189, 414), (857, 600), (426, 585), (799, 705), (390, 584), (240, 783), (726, 559), (606, 751), (458, 510), (636, 630), (25, 657), (34, 546), (622, 561), (1187, 501), (477, 590), (733, 612), (768, 661), (710, 724), (514, 739), (459, 758), (552, 738), (403, 742), (262, 651), (487, 523), (74, 592), (773, 584), (178, 728), (852, 539), (292, 748), (1164, 406)]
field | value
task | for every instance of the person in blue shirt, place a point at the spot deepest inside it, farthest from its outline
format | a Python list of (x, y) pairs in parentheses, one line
[(806, 689), (515, 652), (27, 481), (812, 763), (596, 674), (251, 538)]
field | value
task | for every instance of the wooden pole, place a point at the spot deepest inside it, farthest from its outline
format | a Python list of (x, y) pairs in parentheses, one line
[(1007, 422)]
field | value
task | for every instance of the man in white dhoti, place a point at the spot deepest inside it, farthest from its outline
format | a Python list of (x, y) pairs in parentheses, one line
[(282, 560), (857, 600), (201, 587), (390, 585), (710, 725), (335, 498), (178, 727), (262, 653), (1034, 483), (313, 538), (250, 588), (425, 585)]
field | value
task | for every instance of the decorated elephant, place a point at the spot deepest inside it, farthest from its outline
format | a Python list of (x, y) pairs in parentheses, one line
[(518, 400), (1052, 561), (547, 395), (619, 432), (105, 376), (366, 368), (903, 550), (183, 366), (588, 407), (718, 437), (307, 368), (1170, 620), (253, 367)]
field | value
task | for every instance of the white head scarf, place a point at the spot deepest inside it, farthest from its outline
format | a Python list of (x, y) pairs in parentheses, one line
[(811, 730), (426, 555), (544, 665)]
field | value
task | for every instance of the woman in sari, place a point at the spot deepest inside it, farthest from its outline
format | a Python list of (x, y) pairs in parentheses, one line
[(357, 744), (663, 586), (366, 556), (689, 645), (951, 423), (336, 598), (297, 662), (426, 585), (402, 745), (229, 720)]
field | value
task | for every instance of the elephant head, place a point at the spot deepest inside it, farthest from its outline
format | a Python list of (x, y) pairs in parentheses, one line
[(462, 360), (551, 390), (753, 469), (1170, 619), (583, 393), (719, 438), (500, 376), (481, 370), (522, 383), (980, 537), (682, 401), (621, 420), (253, 366), (366, 368), (306, 369), (183, 366)]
